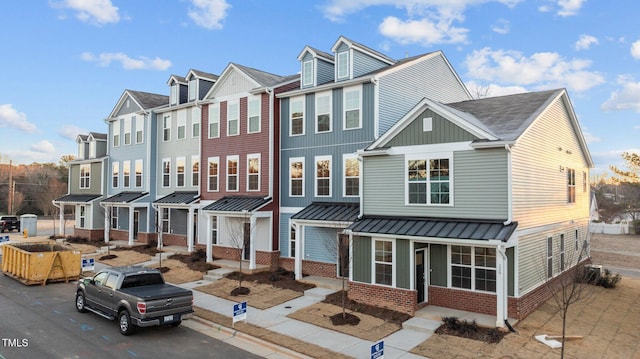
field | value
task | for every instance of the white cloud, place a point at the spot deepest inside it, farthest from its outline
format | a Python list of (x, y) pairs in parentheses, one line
[(209, 13), (424, 31), (142, 63), (585, 42), (590, 137), (481, 90), (542, 70), (10, 117), (97, 12), (635, 50), (501, 26), (43, 146), (626, 98), (569, 7), (71, 132)]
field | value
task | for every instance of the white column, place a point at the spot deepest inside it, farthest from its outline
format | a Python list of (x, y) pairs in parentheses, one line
[(501, 286), (299, 251), (190, 230), (61, 219), (131, 226), (252, 243), (107, 223), (209, 240)]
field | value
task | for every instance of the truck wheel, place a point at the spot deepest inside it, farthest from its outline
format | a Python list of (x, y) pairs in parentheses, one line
[(124, 323), (175, 324), (80, 302)]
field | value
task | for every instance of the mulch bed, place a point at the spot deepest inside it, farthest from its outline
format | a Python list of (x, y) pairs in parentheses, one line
[(388, 315), (279, 279)]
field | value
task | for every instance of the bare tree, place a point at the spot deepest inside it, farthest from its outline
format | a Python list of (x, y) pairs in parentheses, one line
[(238, 234), (338, 247)]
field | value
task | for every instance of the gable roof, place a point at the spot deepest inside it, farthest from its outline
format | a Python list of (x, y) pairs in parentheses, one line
[(360, 47), (201, 75), (316, 53), (259, 78), (145, 100)]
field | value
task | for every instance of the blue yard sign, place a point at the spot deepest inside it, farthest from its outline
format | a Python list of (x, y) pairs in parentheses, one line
[(88, 264), (377, 350), (240, 312), (4, 239)]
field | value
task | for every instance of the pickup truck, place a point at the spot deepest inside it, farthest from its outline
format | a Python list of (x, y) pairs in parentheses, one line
[(8, 223), (136, 296)]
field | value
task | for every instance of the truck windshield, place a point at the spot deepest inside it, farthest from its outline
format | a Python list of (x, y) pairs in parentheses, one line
[(139, 280)]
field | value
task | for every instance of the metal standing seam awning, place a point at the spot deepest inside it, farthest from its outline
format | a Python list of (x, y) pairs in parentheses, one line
[(233, 205), (77, 198), (339, 213), (178, 198), (125, 197)]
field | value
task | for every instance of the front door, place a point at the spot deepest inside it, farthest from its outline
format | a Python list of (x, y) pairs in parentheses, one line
[(420, 275), (247, 241)]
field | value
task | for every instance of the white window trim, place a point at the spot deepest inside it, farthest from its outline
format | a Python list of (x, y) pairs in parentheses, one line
[(236, 103), (215, 224), (339, 68), (174, 94), (473, 267), (237, 175), (549, 257), (319, 95), (115, 173), (195, 159), (85, 179), (291, 239), (82, 216), (315, 172), (561, 253), (181, 123), (427, 157), (116, 134), (126, 165), (127, 131), (168, 220), (166, 126), (346, 157), (193, 89), (181, 160), (135, 175), (196, 114), (258, 100), (393, 261), (291, 102), (344, 108), (249, 157), (307, 78), (163, 174), (215, 160), (139, 129), (214, 109), (291, 161)]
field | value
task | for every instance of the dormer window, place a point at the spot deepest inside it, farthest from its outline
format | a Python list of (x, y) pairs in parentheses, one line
[(343, 64), (92, 149), (307, 73), (193, 87), (175, 93), (81, 150)]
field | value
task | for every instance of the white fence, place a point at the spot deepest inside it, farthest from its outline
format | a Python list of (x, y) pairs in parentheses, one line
[(606, 228)]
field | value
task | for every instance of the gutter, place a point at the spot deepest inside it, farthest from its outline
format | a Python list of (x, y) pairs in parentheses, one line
[(507, 147)]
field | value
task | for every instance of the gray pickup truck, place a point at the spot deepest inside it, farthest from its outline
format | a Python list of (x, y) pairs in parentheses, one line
[(136, 296)]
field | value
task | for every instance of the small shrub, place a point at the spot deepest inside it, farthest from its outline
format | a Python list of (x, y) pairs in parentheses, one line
[(451, 323), (608, 280), (468, 328), (199, 256), (494, 335)]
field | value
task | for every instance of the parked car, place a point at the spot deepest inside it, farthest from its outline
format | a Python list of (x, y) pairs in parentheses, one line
[(136, 296), (8, 223)]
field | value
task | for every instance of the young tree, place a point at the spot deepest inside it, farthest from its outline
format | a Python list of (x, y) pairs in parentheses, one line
[(338, 247), (629, 181), (238, 231)]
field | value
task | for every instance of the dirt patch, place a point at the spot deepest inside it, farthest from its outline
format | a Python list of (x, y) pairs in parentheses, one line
[(261, 296), (178, 272)]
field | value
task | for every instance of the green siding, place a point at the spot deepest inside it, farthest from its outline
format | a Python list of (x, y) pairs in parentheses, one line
[(403, 264), (362, 260), (438, 264), (443, 131)]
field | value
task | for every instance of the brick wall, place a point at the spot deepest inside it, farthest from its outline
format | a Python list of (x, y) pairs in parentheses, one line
[(118, 235), (169, 239), (263, 258), (93, 235), (484, 303), (402, 300)]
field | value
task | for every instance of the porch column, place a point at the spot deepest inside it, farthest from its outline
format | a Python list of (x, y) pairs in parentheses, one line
[(209, 240), (190, 230), (107, 223), (501, 287), (252, 243), (299, 251), (61, 219), (130, 226)]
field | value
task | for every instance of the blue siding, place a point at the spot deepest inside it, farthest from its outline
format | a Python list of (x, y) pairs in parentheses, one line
[(319, 244), (325, 71), (284, 234), (363, 64)]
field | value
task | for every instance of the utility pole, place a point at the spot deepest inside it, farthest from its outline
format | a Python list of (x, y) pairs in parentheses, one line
[(11, 188)]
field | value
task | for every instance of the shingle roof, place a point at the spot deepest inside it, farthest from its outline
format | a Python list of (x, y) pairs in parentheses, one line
[(507, 116), (329, 211), (435, 228), (125, 197), (205, 75), (149, 100), (263, 78), (179, 197), (367, 48), (238, 204), (77, 198)]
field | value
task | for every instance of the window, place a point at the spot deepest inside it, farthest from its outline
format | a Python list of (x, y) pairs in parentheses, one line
[(182, 124), (323, 112), (584, 181), (82, 216), (432, 186), (343, 64), (85, 176), (139, 129), (195, 122), (253, 119), (164, 212), (323, 176), (212, 177), (116, 133), (549, 257), (114, 217), (115, 169), (351, 176), (296, 109), (307, 73), (166, 172), (214, 229), (232, 173), (138, 169), (127, 131), (352, 105), (562, 252), (383, 262), (180, 171), (193, 89), (92, 149), (253, 172), (571, 185), (126, 173), (296, 177), (214, 120), (292, 240), (233, 118), (576, 238), (195, 170), (175, 93), (81, 151), (473, 268), (166, 128)]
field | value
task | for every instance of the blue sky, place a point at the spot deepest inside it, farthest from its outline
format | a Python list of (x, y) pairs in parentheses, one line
[(65, 63)]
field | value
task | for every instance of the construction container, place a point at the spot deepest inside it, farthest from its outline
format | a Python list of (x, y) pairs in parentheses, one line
[(39, 263)]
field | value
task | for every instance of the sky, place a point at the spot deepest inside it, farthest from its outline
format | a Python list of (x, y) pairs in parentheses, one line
[(65, 63)]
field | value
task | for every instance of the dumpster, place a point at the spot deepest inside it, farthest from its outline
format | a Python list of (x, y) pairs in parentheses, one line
[(40, 262), (29, 223)]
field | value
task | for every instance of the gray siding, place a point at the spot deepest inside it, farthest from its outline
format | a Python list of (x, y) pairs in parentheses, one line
[(95, 180), (325, 71), (364, 64), (401, 90), (178, 219), (438, 265), (124, 109), (320, 244), (403, 263), (362, 260), (480, 188), (443, 131)]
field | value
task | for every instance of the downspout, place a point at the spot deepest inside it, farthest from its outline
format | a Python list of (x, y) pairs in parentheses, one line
[(500, 248), (271, 140), (157, 209), (60, 216), (361, 187), (507, 147)]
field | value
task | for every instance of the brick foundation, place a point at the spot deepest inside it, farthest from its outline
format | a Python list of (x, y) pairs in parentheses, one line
[(263, 258), (401, 300), (320, 269), (470, 301), (169, 239), (93, 235)]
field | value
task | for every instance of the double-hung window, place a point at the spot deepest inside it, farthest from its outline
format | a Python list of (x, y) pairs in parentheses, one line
[(82, 216), (166, 128), (292, 240), (180, 171), (233, 118), (323, 176), (195, 170), (114, 217), (428, 180), (214, 120), (175, 93), (473, 268), (166, 172), (549, 257), (296, 110), (351, 175), (296, 177), (213, 174), (126, 174), (307, 73), (85, 176), (232, 173), (116, 133), (182, 124), (253, 172), (571, 185), (343, 65), (383, 261), (253, 115), (352, 108), (139, 121), (214, 229), (115, 173), (193, 89), (562, 252), (164, 212), (127, 131), (195, 122), (138, 169), (323, 112)]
